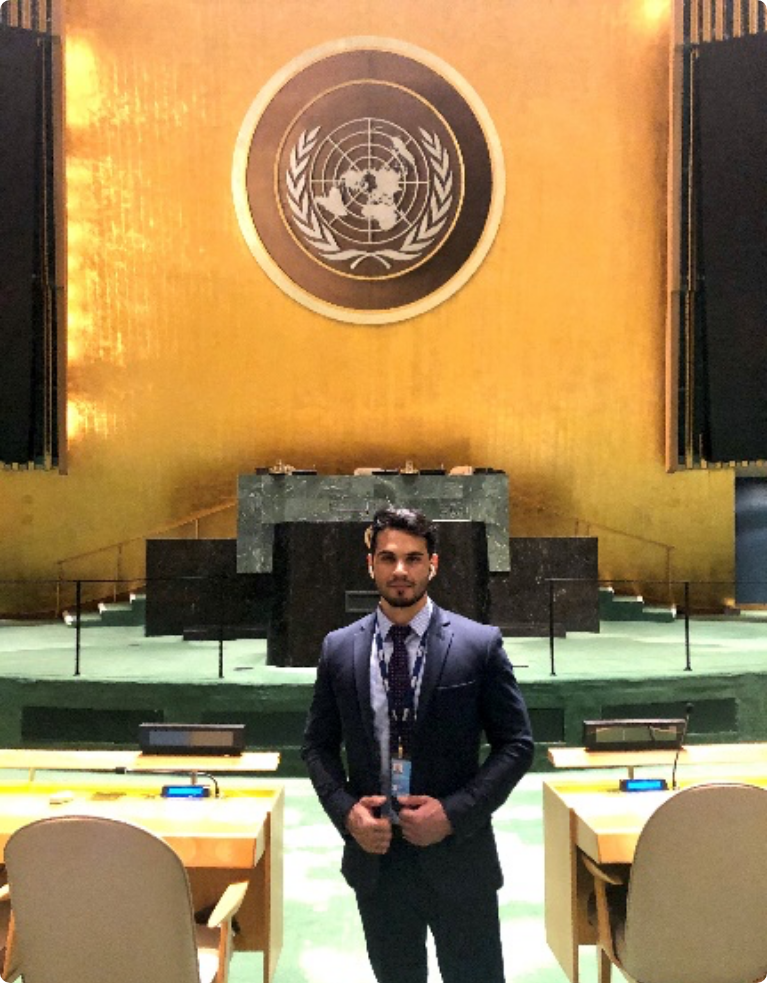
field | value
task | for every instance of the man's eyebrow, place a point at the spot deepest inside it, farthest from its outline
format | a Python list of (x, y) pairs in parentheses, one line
[(410, 555)]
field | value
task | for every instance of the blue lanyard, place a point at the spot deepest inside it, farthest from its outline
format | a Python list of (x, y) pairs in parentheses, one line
[(414, 676)]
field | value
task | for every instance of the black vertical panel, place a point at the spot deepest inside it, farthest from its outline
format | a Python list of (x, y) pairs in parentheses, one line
[(751, 540), (193, 583), (732, 240), (20, 253)]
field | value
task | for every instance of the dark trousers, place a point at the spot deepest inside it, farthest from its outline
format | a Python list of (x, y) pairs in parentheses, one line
[(404, 905)]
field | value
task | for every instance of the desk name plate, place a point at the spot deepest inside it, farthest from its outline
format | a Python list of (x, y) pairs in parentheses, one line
[(664, 734), (200, 739)]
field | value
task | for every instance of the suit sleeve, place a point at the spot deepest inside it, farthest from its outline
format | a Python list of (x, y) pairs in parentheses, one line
[(507, 728), (321, 750)]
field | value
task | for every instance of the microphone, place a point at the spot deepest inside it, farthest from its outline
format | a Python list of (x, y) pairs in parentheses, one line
[(687, 711)]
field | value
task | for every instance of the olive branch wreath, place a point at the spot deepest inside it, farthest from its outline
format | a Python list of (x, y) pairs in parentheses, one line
[(319, 235)]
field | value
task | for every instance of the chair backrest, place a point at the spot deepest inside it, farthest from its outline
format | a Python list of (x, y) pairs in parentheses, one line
[(99, 901), (697, 902)]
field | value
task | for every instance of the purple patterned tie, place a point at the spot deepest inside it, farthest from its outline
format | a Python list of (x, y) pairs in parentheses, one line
[(400, 696)]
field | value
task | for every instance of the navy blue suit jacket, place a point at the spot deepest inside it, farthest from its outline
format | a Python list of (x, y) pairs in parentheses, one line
[(468, 689)]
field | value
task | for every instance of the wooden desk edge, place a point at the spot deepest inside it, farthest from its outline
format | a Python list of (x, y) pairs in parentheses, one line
[(690, 754), (117, 761)]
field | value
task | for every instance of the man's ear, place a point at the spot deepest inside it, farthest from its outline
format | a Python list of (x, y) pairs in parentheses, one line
[(370, 566), (433, 565)]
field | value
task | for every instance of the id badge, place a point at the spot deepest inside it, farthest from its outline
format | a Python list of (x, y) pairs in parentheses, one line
[(400, 777)]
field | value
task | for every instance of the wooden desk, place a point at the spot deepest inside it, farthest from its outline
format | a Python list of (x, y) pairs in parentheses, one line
[(595, 818), (690, 754), (235, 837)]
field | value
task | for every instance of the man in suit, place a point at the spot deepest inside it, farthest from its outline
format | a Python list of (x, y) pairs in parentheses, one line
[(407, 692)]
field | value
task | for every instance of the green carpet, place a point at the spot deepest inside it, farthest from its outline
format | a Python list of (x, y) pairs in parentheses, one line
[(620, 649), (323, 937)]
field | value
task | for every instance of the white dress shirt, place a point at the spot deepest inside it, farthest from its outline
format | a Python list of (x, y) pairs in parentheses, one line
[(378, 699)]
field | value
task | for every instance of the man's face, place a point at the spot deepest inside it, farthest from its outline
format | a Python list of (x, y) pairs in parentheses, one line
[(401, 567)]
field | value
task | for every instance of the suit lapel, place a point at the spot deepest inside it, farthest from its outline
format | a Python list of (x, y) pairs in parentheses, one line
[(363, 641), (439, 637)]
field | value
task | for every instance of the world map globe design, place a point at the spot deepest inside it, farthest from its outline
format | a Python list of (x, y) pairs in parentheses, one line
[(369, 181)]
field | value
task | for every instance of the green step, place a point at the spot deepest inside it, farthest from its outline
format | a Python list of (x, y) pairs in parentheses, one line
[(747, 615), (112, 614), (88, 619), (659, 613), (618, 607), (117, 613)]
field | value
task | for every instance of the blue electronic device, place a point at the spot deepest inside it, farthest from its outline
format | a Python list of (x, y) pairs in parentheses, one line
[(644, 785), (185, 792)]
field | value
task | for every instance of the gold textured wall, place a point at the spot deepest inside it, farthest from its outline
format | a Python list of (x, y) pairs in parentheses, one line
[(187, 366)]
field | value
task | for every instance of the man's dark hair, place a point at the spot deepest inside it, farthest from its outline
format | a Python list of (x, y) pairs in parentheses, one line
[(408, 520)]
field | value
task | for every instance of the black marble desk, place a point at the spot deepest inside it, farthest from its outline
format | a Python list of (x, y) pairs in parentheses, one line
[(321, 582)]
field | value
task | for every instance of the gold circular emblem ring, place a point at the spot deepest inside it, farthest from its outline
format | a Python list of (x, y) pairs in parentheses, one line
[(368, 180)]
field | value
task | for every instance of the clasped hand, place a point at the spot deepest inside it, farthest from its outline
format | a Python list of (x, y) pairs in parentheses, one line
[(421, 817), (372, 832), (423, 820)]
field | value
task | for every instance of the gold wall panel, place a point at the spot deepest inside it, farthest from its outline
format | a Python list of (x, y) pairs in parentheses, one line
[(188, 366)]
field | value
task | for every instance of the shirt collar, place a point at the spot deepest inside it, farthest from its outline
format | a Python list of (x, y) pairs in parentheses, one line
[(418, 625)]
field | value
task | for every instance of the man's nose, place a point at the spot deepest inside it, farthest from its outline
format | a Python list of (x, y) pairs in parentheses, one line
[(401, 567)]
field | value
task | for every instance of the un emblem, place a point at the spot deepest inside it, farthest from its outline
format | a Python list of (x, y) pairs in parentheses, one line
[(370, 193), (368, 180)]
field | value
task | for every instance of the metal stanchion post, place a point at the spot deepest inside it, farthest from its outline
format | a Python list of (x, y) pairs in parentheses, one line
[(78, 605), (551, 626), (221, 628)]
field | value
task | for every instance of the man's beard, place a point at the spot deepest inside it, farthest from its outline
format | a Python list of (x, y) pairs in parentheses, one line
[(397, 601)]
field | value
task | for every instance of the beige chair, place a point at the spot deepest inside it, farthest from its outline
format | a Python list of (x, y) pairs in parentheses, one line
[(5, 914), (102, 901), (696, 905)]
